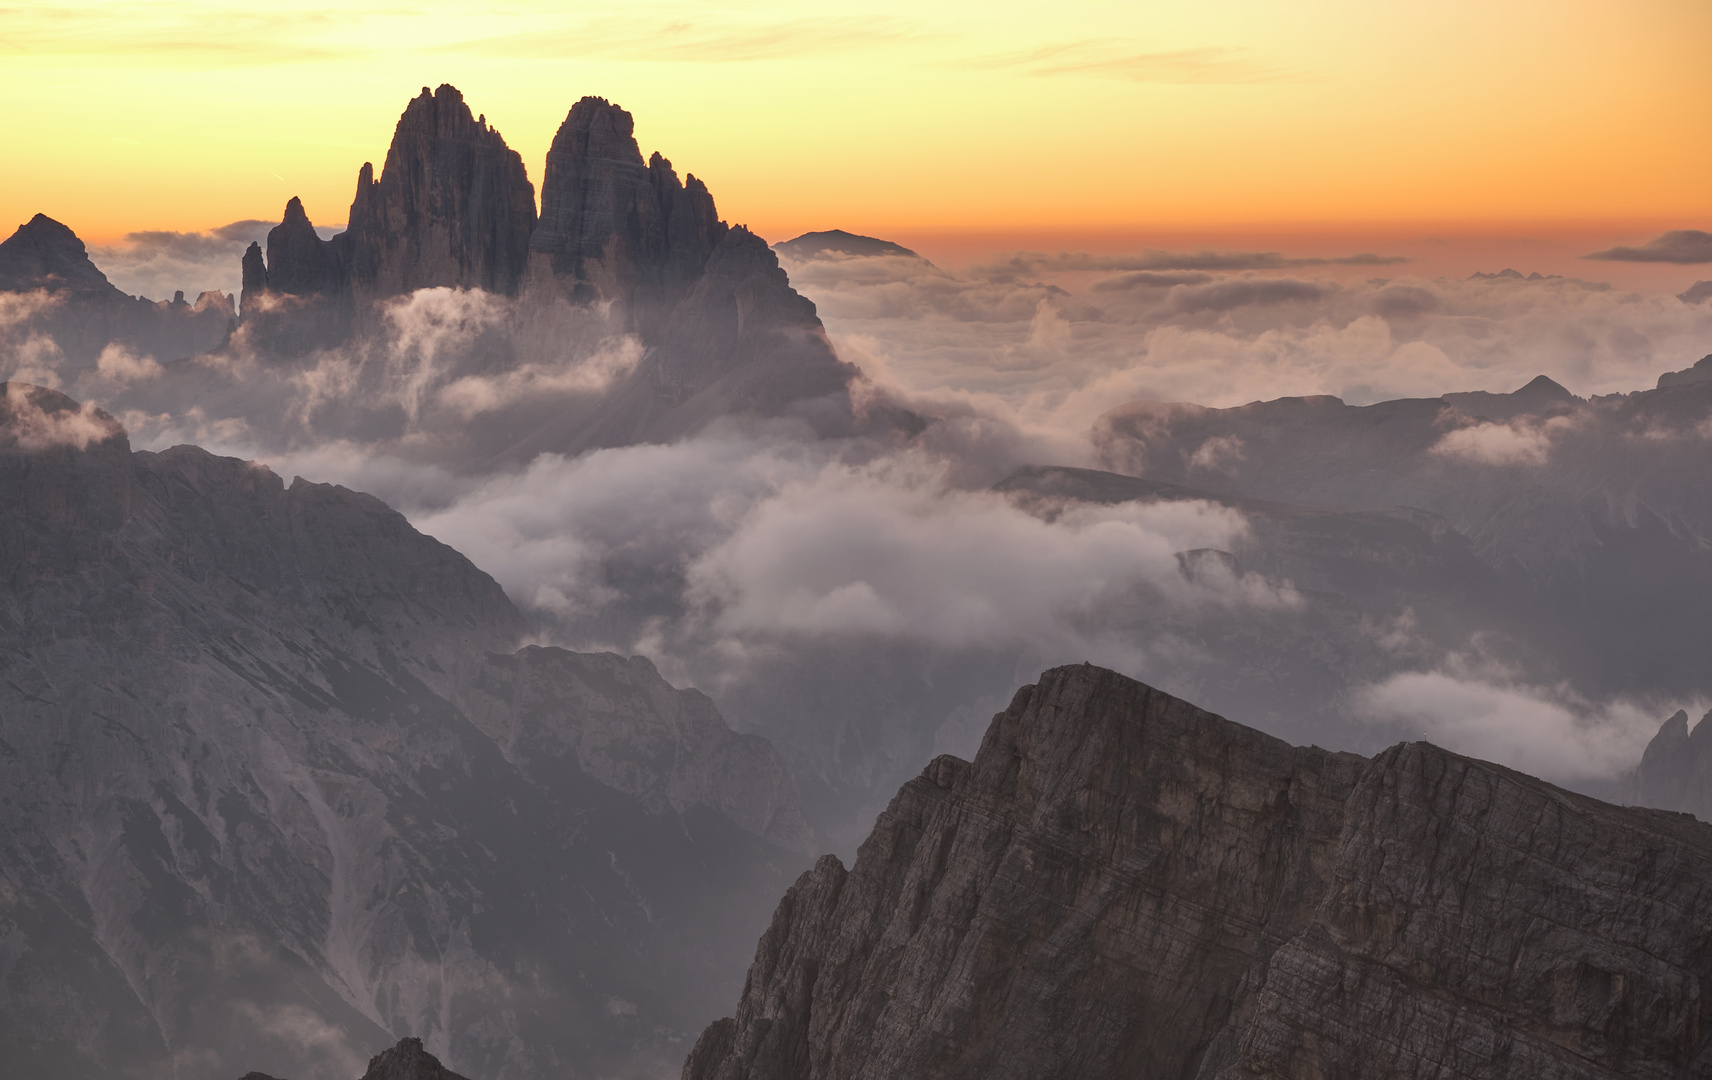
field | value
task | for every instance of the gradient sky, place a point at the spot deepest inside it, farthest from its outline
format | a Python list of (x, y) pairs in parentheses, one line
[(981, 117)]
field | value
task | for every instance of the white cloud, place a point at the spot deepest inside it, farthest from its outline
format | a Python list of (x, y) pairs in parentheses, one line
[(1548, 731)]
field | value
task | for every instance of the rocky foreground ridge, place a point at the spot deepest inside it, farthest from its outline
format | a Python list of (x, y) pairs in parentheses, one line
[(277, 786), (1123, 885)]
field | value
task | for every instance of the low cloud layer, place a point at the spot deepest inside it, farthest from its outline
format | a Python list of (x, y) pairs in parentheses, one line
[(1684, 246), (157, 263), (865, 601), (1549, 731)]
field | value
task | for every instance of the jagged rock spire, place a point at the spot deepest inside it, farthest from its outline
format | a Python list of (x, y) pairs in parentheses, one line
[(614, 228), (453, 206)]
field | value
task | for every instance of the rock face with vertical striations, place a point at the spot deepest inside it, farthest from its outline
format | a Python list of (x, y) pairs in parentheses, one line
[(1675, 772), (615, 229), (453, 207), (624, 253), (1122, 885), (278, 787)]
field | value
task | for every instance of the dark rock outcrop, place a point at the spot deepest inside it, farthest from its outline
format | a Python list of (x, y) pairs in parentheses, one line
[(453, 207), (408, 1061), (271, 765), (615, 229), (741, 341), (622, 247), (1701, 372), (1122, 885), (68, 299), (838, 242), (44, 254)]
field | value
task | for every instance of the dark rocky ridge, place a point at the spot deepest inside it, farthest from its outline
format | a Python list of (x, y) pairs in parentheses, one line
[(838, 242), (271, 765), (453, 206), (83, 312), (626, 243), (1123, 885), (615, 229)]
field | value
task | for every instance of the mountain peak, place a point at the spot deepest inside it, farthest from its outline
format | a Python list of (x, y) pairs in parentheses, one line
[(408, 1061), (837, 241), (46, 254), (1542, 389)]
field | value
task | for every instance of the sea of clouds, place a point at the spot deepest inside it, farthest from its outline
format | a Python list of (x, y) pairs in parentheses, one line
[(878, 585)]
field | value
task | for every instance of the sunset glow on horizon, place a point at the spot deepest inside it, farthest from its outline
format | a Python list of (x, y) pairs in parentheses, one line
[(909, 120)]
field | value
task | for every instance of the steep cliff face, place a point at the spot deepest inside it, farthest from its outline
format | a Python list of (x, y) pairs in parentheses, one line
[(1675, 772), (453, 207), (1122, 885), (278, 789), (741, 341), (615, 229), (68, 300)]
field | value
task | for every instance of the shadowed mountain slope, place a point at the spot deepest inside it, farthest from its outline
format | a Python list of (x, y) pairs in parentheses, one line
[(278, 787)]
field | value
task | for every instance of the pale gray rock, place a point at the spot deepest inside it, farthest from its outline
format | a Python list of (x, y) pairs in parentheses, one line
[(1675, 772), (1123, 885)]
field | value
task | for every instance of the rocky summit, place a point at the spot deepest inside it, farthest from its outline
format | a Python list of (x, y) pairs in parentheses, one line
[(1123, 885), (279, 786), (65, 299), (622, 248)]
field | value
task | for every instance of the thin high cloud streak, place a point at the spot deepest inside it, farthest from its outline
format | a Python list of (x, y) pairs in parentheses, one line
[(697, 38), (1683, 246), (1034, 262), (1133, 61)]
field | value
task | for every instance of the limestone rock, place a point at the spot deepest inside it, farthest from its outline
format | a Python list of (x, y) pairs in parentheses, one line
[(615, 229), (1122, 885), (453, 206), (1675, 772)]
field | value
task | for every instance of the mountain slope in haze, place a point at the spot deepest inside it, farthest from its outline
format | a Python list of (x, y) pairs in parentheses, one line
[(61, 296), (1123, 885), (1602, 507), (279, 788)]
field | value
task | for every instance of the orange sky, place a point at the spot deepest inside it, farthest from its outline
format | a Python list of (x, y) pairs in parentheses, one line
[(907, 119)]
